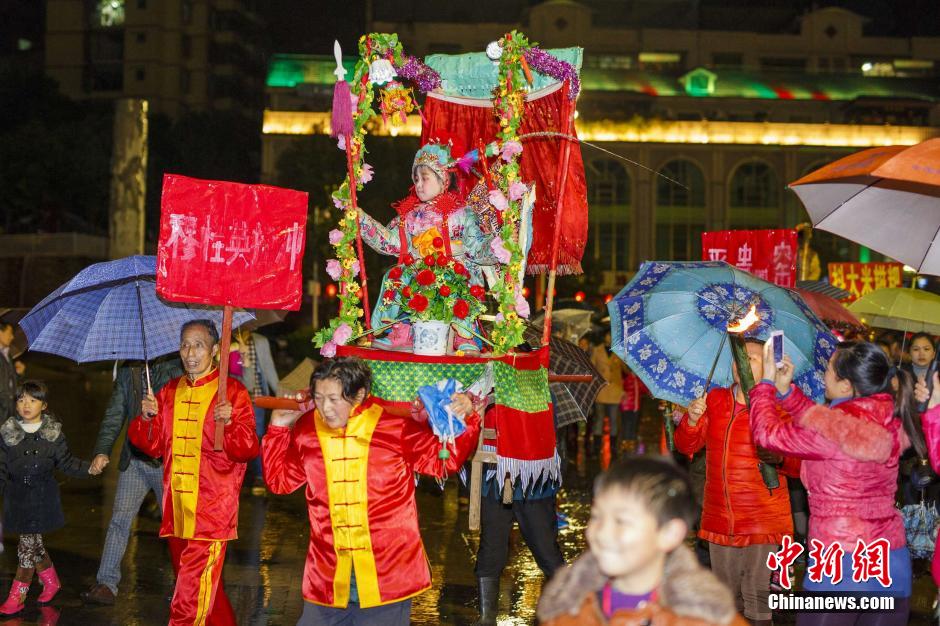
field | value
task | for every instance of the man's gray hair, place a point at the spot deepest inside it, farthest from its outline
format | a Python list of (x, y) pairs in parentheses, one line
[(208, 324)]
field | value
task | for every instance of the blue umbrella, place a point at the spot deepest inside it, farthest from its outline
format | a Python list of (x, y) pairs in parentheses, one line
[(669, 325), (436, 400), (110, 311)]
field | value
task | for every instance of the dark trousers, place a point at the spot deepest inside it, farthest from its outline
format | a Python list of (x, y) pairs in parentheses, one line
[(394, 614), (630, 420), (537, 524)]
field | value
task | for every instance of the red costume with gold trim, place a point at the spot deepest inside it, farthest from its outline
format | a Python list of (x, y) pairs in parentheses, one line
[(200, 487), (360, 499)]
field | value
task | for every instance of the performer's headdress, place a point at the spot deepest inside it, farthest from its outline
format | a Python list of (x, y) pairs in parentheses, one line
[(437, 155)]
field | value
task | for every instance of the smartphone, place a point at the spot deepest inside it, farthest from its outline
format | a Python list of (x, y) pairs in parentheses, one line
[(777, 337)]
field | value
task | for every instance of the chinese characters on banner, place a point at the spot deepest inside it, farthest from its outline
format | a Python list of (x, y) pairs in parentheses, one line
[(870, 561), (768, 254), (233, 244), (862, 278)]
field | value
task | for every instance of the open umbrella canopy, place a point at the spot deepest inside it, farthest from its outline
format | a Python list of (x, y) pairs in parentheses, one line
[(96, 316), (828, 309), (908, 310), (821, 287), (576, 322), (670, 323), (886, 198), (573, 401)]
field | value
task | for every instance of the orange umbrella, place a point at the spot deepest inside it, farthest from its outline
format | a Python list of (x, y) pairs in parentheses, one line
[(829, 309), (887, 199)]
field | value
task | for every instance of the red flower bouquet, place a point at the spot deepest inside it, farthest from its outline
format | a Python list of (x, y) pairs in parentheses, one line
[(438, 289)]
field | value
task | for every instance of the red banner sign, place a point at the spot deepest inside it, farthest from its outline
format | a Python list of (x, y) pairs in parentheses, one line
[(768, 254), (229, 243), (862, 278)]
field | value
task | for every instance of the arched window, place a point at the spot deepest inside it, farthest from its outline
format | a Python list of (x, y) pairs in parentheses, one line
[(680, 214), (754, 185), (608, 186), (690, 190), (608, 183)]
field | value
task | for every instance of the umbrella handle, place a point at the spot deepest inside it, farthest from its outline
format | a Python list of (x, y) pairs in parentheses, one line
[(711, 372)]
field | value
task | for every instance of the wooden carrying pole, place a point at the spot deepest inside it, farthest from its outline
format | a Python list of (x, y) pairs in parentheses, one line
[(222, 395), (562, 178)]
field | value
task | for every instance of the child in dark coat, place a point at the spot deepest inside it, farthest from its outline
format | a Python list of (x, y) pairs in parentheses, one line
[(32, 447)]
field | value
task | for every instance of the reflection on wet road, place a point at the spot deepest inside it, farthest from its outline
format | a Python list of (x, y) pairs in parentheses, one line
[(264, 567)]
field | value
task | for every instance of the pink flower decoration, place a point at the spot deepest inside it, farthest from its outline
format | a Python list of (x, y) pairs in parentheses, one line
[(339, 203), (522, 305), (328, 350), (342, 334), (355, 268), (510, 149), (366, 174), (334, 269), (336, 236), (498, 200), (341, 143), (517, 190), (499, 250)]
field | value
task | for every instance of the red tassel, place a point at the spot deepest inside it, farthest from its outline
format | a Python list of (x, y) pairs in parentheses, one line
[(341, 122)]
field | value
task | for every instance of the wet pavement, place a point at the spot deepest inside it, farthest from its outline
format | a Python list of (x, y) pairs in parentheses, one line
[(263, 568)]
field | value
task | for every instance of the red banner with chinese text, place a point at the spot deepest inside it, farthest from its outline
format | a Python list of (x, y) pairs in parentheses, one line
[(862, 278), (225, 243), (768, 254)]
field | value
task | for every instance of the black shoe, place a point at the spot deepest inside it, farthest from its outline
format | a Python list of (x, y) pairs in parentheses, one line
[(489, 601)]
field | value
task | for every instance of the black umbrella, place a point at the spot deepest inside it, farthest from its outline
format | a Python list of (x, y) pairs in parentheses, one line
[(573, 400)]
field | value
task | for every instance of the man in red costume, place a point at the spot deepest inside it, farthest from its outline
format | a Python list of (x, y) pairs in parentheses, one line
[(200, 485), (365, 559)]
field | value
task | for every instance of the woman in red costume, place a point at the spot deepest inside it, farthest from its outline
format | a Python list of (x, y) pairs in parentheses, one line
[(365, 559)]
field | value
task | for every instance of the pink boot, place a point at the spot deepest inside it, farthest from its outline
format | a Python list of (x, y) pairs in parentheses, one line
[(16, 599), (50, 584)]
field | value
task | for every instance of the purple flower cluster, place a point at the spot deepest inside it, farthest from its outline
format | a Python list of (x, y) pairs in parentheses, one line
[(544, 63), (420, 74)]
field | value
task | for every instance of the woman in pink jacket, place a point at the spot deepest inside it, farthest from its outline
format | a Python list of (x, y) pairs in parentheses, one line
[(931, 423), (850, 450)]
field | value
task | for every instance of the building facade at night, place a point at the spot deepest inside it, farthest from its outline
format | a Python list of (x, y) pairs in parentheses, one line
[(185, 55), (733, 103)]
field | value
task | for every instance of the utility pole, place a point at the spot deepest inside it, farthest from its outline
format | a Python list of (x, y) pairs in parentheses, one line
[(128, 178)]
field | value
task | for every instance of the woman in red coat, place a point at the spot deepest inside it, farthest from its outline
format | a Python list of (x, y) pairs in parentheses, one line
[(365, 559), (850, 451), (742, 520)]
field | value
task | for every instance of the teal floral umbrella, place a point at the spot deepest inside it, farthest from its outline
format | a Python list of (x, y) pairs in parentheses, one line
[(670, 323)]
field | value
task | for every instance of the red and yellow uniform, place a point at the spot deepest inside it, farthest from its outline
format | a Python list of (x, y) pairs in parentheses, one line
[(360, 499), (200, 487)]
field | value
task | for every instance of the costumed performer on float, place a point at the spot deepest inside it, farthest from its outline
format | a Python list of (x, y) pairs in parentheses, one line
[(365, 559), (200, 485), (432, 220)]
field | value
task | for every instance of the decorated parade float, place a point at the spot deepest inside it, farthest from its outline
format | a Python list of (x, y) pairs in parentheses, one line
[(499, 193)]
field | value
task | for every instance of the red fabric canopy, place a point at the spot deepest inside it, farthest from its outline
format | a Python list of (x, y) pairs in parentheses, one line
[(472, 120)]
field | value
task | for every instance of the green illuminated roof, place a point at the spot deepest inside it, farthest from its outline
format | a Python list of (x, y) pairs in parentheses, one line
[(473, 75), (290, 70), (742, 84)]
